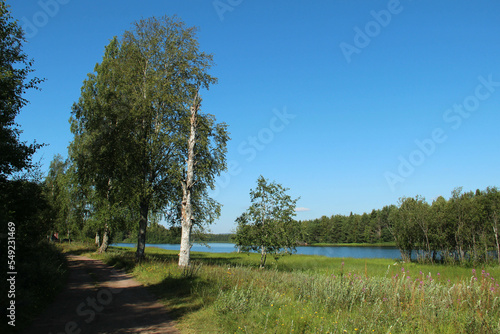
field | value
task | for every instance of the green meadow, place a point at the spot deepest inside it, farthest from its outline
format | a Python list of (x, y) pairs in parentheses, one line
[(227, 293)]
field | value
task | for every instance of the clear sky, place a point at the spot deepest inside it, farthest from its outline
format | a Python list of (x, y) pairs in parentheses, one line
[(350, 104)]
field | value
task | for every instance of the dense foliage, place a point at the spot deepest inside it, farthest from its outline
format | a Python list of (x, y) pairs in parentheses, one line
[(25, 213), (15, 68), (462, 229), (366, 228), (21, 195), (157, 234)]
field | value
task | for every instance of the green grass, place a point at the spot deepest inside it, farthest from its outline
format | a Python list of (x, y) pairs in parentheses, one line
[(227, 293)]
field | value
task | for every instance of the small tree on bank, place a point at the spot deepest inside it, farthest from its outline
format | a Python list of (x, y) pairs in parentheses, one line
[(268, 226)]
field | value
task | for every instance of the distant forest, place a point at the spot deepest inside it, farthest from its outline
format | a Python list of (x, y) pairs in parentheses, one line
[(159, 234), (355, 228)]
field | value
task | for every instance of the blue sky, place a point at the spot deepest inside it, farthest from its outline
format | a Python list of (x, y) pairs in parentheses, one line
[(350, 104)]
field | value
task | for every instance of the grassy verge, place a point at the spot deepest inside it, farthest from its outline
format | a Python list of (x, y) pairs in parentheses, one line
[(41, 274), (310, 294)]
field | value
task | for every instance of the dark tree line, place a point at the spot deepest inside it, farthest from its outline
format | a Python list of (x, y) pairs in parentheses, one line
[(21, 193), (159, 234), (371, 227), (24, 208)]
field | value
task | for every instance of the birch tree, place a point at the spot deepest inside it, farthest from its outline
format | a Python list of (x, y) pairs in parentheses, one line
[(134, 114), (268, 226), (492, 196), (205, 158), (187, 187)]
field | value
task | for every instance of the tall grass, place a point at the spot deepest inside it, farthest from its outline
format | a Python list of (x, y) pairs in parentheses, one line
[(226, 293)]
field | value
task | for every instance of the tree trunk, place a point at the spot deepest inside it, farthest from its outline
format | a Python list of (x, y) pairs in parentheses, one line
[(105, 240), (187, 185), (263, 257), (97, 239), (428, 247), (185, 253), (495, 231), (141, 239), (474, 248)]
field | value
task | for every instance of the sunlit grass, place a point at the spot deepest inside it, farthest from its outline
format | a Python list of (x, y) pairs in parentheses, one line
[(312, 294)]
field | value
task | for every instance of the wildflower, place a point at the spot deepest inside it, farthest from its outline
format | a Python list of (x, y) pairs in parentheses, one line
[(473, 271)]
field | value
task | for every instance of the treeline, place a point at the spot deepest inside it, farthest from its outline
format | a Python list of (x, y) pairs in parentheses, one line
[(371, 227), (214, 237), (463, 229), (159, 234)]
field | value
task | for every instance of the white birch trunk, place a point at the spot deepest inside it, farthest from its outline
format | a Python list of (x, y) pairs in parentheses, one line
[(187, 185)]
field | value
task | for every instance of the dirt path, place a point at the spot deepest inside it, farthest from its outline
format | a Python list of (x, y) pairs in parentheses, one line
[(100, 299)]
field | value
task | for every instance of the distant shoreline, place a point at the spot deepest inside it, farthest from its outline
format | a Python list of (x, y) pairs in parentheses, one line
[(319, 244)]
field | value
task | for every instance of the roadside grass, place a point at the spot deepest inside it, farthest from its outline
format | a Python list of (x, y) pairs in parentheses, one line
[(227, 293), (41, 275)]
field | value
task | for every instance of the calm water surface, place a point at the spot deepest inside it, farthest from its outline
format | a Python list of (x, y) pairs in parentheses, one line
[(354, 252)]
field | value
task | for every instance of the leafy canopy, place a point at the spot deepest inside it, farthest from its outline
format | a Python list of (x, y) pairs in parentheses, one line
[(15, 68)]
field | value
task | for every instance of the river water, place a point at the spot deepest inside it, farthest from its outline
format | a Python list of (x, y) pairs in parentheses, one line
[(329, 251)]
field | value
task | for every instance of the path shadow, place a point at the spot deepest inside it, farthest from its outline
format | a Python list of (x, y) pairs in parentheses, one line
[(100, 299)]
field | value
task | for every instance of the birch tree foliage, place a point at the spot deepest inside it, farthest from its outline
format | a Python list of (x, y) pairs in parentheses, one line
[(130, 122), (267, 226)]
